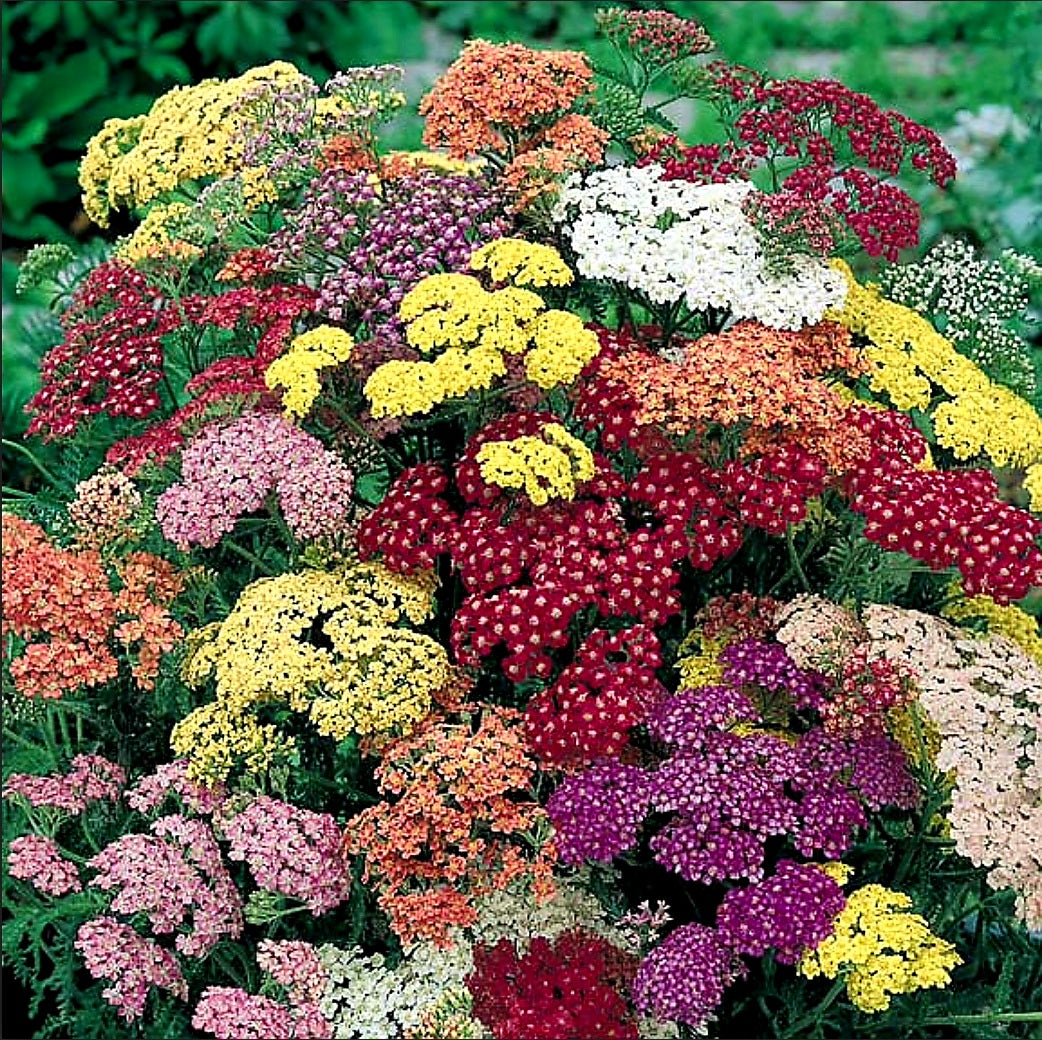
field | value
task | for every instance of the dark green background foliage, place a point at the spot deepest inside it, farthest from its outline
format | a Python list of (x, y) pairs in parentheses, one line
[(68, 66)]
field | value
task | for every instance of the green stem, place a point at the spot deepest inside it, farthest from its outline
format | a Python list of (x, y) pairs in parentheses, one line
[(809, 1019), (1002, 1016), (247, 555), (794, 559), (23, 450)]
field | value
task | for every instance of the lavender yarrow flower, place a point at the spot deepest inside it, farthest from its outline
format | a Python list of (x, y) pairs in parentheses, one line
[(790, 912), (291, 851), (233, 1014), (597, 813), (295, 965), (133, 964), (684, 978), (753, 662), (172, 778)]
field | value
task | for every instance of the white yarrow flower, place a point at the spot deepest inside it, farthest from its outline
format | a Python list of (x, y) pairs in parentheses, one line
[(671, 241)]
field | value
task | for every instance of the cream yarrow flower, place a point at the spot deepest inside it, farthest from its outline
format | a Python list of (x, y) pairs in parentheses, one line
[(328, 645), (677, 242), (544, 467), (297, 371), (881, 949)]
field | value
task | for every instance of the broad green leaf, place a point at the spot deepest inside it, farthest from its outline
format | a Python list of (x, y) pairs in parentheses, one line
[(70, 85), (26, 184)]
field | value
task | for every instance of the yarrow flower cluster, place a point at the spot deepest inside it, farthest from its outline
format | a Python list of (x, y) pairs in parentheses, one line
[(229, 469), (672, 241), (290, 851), (881, 949), (493, 616)]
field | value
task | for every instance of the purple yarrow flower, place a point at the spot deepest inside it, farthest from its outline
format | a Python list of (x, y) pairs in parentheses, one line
[(597, 813), (685, 977), (790, 912)]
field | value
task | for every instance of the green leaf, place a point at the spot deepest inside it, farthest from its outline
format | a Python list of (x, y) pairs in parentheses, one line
[(70, 85), (371, 487), (26, 136), (26, 184)]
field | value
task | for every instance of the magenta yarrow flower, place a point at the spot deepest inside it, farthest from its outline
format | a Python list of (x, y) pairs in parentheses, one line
[(790, 912), (684, 978)]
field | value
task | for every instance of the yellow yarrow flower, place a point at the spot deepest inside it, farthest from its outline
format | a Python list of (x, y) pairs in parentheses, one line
[(329, 645), (544, 467), (474, 329), (840, 872), (522, 263), (699, 662), (1033, 486), (911, 361), (218, 738), (436, 161), (562, 348), (189, 134), (881, 950), (156, 236), (296, 373), (1005, 620)]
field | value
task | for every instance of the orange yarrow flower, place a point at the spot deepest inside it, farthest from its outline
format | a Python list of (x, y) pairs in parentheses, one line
[(69, 612), (496, 94), (455, 802), (768, 380)]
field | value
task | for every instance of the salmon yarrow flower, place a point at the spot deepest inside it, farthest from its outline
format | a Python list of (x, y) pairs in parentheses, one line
[(297, 371), (544, 467), (909, 360), (327, 645), (881, 949), (522, 263)]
